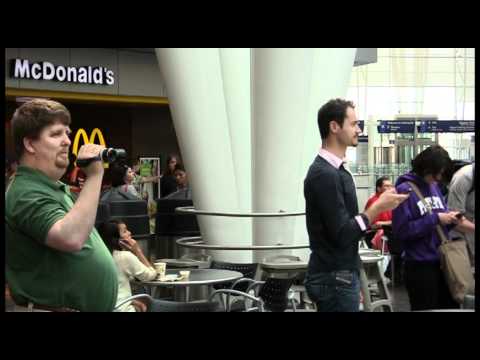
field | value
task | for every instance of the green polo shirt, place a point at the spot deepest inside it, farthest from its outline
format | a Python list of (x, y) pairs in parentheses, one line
[(85, 280)]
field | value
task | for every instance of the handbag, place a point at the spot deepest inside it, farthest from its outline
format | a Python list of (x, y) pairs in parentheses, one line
[(454, 260)]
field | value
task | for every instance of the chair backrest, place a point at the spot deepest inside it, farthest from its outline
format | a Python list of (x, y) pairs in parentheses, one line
[(128, 207), (169, 222), (173, 306), (248, 271), (274, 293), (137, 224), (103, 213), (114, 194), (133, 212)]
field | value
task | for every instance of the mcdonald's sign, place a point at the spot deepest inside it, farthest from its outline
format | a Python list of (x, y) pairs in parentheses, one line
[(86, 140)]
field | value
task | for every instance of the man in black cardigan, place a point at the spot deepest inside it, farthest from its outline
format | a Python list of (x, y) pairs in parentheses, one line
[(333, 222)]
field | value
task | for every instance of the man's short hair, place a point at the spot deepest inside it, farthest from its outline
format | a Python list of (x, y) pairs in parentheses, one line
[(117, 174), (379, 182), (334, 110), (432, 161), (32, 117)]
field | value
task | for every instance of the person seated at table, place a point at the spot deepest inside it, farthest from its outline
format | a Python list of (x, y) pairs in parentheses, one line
[(382, 225), (121, 177), (383, 219), (183, 188), (129, 259)]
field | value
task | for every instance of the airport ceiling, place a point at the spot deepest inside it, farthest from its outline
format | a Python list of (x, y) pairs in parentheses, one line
[(144, 50), (363, 56)]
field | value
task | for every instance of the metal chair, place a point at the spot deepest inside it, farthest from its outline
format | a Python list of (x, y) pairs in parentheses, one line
[(204, 260), (155, 305), (298, 276), (269, 295), (248, 271)]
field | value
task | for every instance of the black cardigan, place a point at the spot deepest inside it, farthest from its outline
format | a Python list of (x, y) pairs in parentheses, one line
[(331, 207)]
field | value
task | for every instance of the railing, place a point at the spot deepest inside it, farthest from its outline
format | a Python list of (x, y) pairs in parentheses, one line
[(196, 242)]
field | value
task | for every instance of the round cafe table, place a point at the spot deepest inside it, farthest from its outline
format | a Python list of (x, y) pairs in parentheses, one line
[(184, 263), (198, 277)]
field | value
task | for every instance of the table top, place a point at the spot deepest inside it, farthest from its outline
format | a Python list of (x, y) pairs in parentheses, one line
[(199, 277), (371, 258), (287, 265), (369, 252), (186, 263)]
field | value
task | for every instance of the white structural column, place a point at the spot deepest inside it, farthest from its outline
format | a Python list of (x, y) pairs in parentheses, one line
[(195, 90), (280, 89), (246, 122), (330, 77), (236, 84)]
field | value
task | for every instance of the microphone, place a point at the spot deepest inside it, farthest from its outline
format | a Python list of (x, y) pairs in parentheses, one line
[(108, 155)]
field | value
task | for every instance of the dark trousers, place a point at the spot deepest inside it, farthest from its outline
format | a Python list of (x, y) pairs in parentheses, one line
[(336, 291), (426, 286), (398, 266)]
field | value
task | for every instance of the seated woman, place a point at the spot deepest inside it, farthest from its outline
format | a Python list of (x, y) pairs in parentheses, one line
[(121, 177), (129, 259)]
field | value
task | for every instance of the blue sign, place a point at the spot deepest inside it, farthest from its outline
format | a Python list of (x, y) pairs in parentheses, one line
[(446, 126), (396, 126), (363, 138), (361, 124)]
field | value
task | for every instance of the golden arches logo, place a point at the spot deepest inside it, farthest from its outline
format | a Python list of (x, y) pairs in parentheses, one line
[(95, 133)]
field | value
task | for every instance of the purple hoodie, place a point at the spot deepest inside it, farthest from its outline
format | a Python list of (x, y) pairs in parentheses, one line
[(413, 225)]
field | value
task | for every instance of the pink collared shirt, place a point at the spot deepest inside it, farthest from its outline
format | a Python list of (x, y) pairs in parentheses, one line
[(336, 162), (333, 159)]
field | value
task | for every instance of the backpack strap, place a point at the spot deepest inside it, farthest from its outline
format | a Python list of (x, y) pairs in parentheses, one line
[(417, 191)]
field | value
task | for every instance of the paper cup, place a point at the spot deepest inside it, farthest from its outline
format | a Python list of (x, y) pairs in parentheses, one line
[(184, 274), (161, 268)]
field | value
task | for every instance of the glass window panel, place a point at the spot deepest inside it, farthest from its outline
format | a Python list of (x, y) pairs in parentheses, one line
[(440, 101)]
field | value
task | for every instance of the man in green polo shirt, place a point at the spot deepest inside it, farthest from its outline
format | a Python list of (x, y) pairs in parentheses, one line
[(55, 258)]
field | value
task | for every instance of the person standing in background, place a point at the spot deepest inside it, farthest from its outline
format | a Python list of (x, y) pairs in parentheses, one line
[(334, 224), (461, 197), (415, 225), (168, 183)]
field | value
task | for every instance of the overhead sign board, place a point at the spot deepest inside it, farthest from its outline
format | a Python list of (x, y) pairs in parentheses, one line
[(446, 126), (396, 126)]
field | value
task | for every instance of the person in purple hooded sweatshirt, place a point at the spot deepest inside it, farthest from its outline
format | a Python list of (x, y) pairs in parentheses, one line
[(415, 227)]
